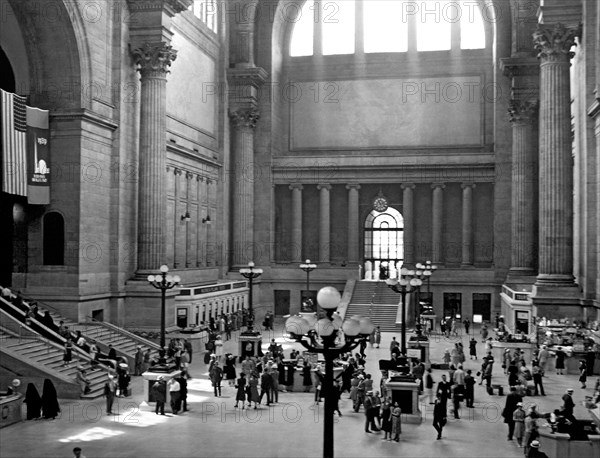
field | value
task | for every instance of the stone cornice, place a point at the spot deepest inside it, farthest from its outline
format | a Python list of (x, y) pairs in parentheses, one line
[(519, 66), (154, 59), (520, 111), (554, 42), (84, 115), (172, 7), (253, 76)]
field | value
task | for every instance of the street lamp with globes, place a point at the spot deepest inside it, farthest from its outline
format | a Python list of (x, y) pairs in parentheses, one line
[(406, 284), (308, 267), (331, 345), (163, 281), (250, 273), (424, 272)]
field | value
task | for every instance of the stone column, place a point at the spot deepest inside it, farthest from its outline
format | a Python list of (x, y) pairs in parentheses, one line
[(244, 122), (409, 223), (353, 222), (153, 60), (296, 247), (522, 116), (594, 112), (324, 222), (176, 216), (467, 223), (555, 162), (437, 220)]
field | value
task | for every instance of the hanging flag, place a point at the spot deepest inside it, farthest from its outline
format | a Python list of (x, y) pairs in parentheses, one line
[(38, 157), (14, 144)]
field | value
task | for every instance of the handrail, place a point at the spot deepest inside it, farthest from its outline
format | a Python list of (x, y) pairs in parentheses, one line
[(120, 331), (30, 299)]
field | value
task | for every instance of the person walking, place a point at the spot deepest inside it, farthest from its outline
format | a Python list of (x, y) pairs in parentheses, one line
[(240, 395), (175, 395), (216, 377), (34, 402), (509, 408), (443, 390), (568, 406), (386, 419), (543, 356), (473, 348), (582, 373), (183, 391), (369, 404), (139, 360), (67, 352), (469, 389), (266, 384), (159, 392), (484, 332), (252, 391), (466, 324), (429, 382), (229, 370), (560, 361), (306, 377), (274, 373), (439, 416), (377, 336), (110, 392)]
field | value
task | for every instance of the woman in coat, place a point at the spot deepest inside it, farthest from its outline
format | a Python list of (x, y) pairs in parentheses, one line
[(241, 390), (230, 369), (50, 405), (252, 391), (306, 377), (560, 361), (396, 422), (34, 402), (386, 419)]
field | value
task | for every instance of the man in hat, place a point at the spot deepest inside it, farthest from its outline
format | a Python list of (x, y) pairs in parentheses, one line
[(512, 400), (535, 451), (159, 392), (110, 391), (568, 406), (139, 361), (370, 407)]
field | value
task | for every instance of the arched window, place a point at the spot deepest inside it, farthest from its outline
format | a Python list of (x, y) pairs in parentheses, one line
[(376, 26), (384, 237), (53, 239)]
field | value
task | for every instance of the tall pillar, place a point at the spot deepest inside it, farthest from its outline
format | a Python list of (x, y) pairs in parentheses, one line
[(467, 223), (437, 220), (409, 222), (244, 122), (324, 222), (553, 43), (176, 216), (296, 248), (353, 222), (524, 247), (153, 60)]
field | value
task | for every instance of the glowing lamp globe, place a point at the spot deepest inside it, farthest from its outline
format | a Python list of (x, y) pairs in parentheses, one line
[(311, 319), (351, 327), (366, 326), (164, 268), (177, 279), (150, 278), (328, 298), (324, 327)]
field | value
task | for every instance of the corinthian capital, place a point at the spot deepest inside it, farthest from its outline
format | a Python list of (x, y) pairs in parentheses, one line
[(245, 118), (522, 111), (554, 42), (154, 59)]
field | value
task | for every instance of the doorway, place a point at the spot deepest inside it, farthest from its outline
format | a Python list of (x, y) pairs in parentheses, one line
[(282, 301), (182, 317), (452, 305)]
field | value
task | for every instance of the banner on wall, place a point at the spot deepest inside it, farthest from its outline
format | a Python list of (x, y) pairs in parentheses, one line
[(25, 149)]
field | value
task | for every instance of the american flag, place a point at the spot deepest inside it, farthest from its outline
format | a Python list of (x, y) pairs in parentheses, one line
[(14, 144)]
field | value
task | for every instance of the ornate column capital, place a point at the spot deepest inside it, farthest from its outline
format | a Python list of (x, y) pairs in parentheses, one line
[(520, 111), (324, 186), (408, 186), (297, 186), (350, 186), (554, 42), (177, 171), (154, 59), (438, 185), (244, 118), (189, 175), (468, 184)]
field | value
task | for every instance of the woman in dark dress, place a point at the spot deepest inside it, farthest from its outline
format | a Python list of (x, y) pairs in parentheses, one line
[(306, 377), (50, 405), (386, 419), (230, 369), (34, 402), (560, 361), (241, 390)]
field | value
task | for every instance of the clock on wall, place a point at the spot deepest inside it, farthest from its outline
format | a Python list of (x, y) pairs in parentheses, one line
[(380, 203)]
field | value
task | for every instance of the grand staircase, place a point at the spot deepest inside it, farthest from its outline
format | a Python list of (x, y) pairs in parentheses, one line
[(375, 300)]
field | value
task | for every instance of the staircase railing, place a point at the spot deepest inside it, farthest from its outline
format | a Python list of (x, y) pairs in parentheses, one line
[(31, 299), (117, 331)]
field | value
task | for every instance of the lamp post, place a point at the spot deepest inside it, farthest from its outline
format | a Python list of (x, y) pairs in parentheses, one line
[(355, 330), (308, 267), (163, 281), (250, 273), (423, 272), (407, 284)]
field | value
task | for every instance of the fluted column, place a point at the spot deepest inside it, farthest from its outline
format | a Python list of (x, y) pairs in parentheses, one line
[(555, 162), (409, 222), (324, 222), (296, 222), (353, 223), (244, 122), (522, 116), (437, 217), (153, 60), (467, 223)]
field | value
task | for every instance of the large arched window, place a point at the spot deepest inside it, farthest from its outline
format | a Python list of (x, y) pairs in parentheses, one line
[(326, 27), (53, 239), (384, 237)]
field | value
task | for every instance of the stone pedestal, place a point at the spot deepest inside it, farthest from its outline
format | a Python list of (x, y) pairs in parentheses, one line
[(150, 379), (422, 346), (250, 345), (406, 393)]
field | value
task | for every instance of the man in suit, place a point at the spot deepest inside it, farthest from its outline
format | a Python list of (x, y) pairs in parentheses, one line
[(370, 407), (511, 405)]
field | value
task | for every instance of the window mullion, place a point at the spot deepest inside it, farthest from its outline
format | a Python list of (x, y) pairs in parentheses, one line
[(359, 26), (318, 28)]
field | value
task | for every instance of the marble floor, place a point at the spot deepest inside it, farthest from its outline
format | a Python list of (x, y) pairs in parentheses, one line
[(291, 428)]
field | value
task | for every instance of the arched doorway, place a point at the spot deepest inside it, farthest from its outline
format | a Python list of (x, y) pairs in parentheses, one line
[(383, 243)]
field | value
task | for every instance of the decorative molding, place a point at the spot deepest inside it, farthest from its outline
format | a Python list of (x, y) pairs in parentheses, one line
[(84, 115), (554, 42), (468, 185), (324, 186), (520, 111), (350, 186), (189, 175), (437, 185), (173, 6), (244, 118), (408, 186), (296, 186), (519, 66), (154, 59)]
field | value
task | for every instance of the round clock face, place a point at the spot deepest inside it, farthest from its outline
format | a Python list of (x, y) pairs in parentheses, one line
[(380, 204)]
